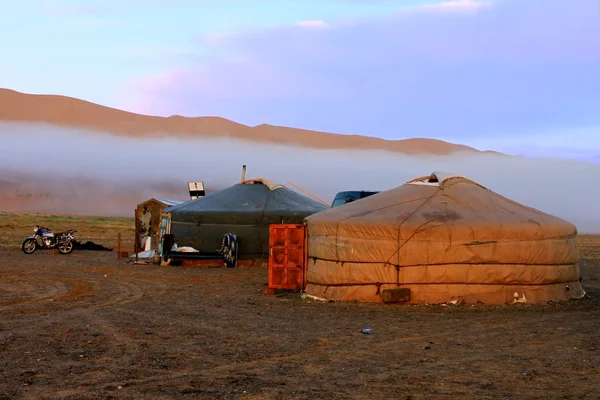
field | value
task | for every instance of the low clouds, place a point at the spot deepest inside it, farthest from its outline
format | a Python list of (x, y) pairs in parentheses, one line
[(81, 159), (462, 69)]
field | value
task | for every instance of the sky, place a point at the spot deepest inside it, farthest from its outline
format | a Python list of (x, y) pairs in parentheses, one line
[(516, 76)]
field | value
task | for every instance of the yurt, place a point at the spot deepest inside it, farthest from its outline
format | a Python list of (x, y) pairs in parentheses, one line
[(441, 238), (245, 210)]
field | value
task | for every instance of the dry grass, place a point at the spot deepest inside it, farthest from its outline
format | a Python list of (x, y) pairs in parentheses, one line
[(14, 228), (589, 247)]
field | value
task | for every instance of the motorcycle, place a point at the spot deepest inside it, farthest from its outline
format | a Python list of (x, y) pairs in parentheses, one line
[(43, 238)]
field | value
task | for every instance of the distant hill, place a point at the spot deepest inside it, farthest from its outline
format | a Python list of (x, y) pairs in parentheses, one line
[(71, 112)]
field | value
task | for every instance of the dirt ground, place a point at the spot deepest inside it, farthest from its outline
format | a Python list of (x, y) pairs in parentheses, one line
[(88, 326)]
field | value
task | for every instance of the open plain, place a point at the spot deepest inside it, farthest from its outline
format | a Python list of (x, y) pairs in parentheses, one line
[(89, 326)]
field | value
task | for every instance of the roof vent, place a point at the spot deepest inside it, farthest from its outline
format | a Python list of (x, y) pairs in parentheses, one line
[(436, 178)]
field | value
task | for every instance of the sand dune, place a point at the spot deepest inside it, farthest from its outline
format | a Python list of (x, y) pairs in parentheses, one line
[(71, 112)]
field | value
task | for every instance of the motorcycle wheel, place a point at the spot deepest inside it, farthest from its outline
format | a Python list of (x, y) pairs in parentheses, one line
[(29, 246), (65, 247)]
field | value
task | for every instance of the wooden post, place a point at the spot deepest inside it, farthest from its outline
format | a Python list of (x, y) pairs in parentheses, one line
[(136, 239), (119, 246), (308, 193)]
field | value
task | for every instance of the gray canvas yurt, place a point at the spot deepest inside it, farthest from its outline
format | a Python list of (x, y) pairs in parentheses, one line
[(246, 210)]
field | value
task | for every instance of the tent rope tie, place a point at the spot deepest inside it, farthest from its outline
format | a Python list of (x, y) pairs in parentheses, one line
[(378, 292)]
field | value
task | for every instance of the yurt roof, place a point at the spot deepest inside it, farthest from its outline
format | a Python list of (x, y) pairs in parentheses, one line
[(166, 202), (442, 200), (253, 196)]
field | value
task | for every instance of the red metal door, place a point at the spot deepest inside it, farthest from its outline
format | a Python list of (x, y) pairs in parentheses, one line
[(286, 256)]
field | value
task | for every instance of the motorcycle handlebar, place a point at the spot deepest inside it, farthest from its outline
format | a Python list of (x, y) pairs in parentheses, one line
[(48, 229)]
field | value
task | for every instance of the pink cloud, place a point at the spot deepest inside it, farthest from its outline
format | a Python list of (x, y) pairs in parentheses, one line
[(242, 78), (457, 6), (516, 64), (313, 24)]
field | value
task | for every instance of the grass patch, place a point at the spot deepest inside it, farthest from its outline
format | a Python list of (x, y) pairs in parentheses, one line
[(14, 228), (589, 246)]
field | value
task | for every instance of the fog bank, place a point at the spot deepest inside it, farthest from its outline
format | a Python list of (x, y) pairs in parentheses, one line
[(564, 188)]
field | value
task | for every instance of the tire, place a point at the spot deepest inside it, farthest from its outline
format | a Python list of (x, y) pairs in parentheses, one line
[(29, 246), (65, 247)]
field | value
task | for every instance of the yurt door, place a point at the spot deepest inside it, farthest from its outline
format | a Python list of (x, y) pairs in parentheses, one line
[(164, 228), (286, 256)]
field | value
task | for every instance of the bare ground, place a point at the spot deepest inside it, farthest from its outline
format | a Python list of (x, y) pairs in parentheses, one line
[(88, 326)]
